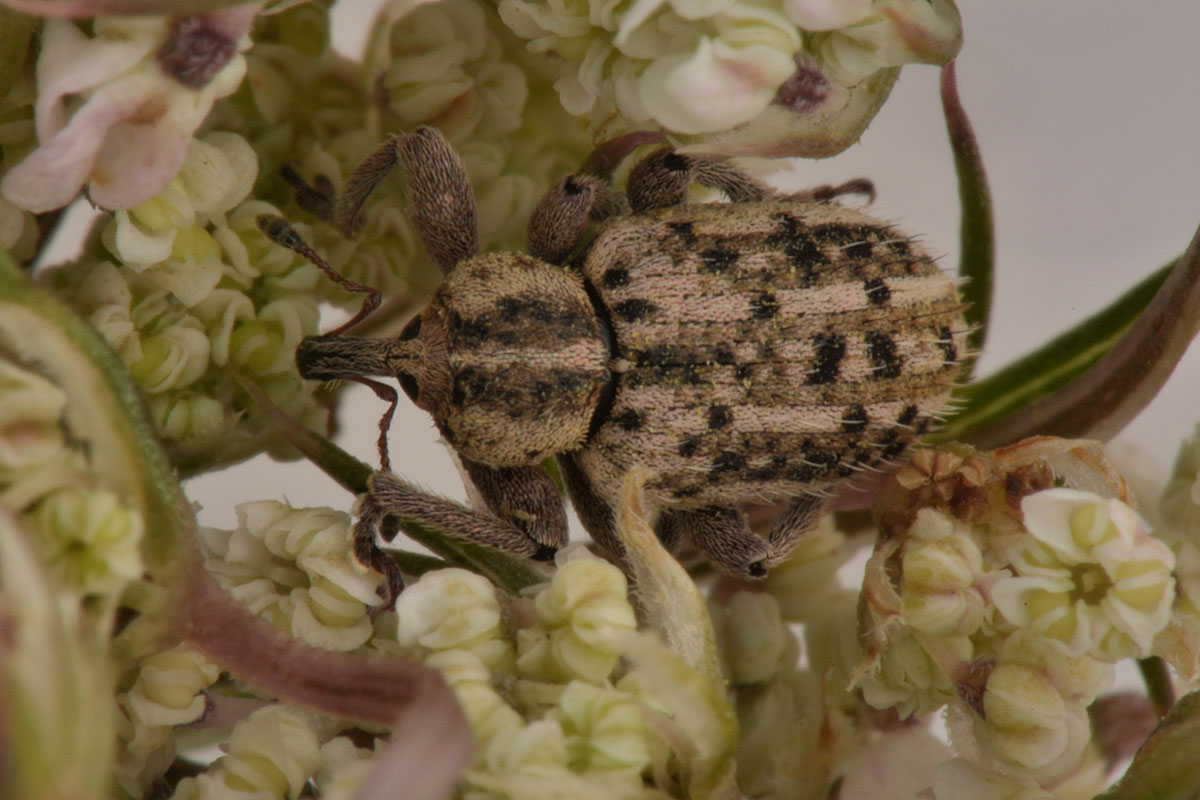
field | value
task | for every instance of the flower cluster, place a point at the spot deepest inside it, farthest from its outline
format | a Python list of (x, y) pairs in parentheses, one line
[(194, 295), (706, 68), (296, 568), (552, 714), (1007, 599), (87, 537)]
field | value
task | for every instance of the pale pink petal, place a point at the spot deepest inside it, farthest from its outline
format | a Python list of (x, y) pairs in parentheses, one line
[(51, 176), (71, 63), (96, 8), (137, 160)]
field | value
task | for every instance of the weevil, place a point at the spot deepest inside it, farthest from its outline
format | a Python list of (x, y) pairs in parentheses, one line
[(760, 350)]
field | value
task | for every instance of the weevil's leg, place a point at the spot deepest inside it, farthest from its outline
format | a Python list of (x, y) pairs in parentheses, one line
[(723, 535), (594, 511), (796, 520), (828, 191), (371, 520), (524, 497), (317, 198), (663, 178), (440, 201), (280, 231), (400, 498), (558, 223)]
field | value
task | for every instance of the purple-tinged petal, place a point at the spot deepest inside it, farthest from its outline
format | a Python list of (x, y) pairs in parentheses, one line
[(78, 9), (53, 174)]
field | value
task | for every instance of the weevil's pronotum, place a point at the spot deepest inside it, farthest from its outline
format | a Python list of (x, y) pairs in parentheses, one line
[(755, 351)]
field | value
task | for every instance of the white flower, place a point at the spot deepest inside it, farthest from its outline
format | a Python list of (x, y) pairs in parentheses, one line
[(88, 539), (139, 105), (581, 612), (941, 566), (604, 729), (453, 609), (1088, 576), (715, 87)]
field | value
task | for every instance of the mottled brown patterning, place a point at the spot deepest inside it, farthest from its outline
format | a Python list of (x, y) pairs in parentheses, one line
[(772, 348), (763, 349)]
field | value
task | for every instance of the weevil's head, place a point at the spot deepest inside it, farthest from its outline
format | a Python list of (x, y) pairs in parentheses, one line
[(510, 358)]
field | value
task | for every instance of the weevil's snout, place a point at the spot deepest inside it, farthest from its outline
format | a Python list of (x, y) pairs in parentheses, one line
[(417, 358), (331, 358)]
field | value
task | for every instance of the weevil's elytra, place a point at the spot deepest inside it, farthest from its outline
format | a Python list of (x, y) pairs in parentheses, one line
[(758, 350), (862, 348)]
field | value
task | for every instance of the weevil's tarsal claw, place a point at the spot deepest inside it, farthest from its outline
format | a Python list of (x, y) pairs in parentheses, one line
[(371, 555), (722, 535)]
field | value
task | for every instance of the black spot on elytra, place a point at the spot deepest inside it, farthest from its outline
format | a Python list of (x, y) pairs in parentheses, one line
[(717, 260), (892, 444), (854, 418), (858, 249), (691, 374), (801, 248), (689, 446), (686, 491), (614, 278), (881, 350), (764, 306), (685, 231), (900, 246), (907, 416), (830, 350), (723, 355), (946, 343), (768, 472), (820, 459), (877, 291), (719, 416), (663, 355), (802, 473), (726, 461), (630, 419), (842, 235), (743, 372), (634, 310)]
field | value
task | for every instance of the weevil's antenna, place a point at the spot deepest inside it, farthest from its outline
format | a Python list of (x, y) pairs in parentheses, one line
[(280, 231)]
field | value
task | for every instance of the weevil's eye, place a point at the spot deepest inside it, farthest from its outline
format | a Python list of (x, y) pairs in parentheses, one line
[(408, 382), (411, 330)]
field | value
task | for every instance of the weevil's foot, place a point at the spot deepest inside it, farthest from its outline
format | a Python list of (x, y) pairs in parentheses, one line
[(545, 553)]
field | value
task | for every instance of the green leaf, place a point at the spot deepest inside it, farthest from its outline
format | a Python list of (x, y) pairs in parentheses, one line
[(977, 255), (990, 404), (1165, 765)]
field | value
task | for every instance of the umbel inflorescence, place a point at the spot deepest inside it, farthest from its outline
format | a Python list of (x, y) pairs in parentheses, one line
[(1002, 588)]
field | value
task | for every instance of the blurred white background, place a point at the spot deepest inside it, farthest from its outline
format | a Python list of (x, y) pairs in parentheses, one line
[(1087, 112)]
